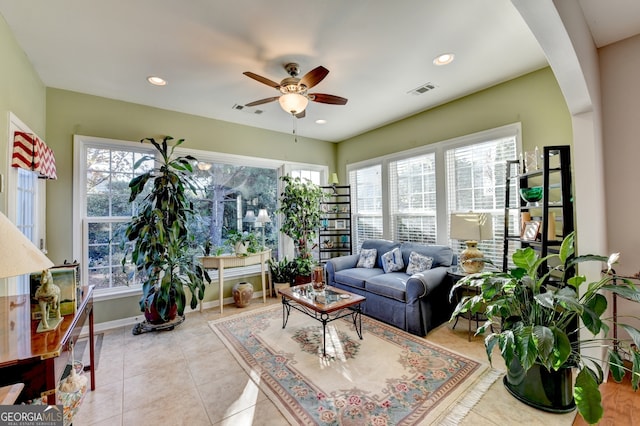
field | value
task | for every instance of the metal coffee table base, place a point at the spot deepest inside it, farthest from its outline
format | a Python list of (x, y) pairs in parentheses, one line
[(323, 317)]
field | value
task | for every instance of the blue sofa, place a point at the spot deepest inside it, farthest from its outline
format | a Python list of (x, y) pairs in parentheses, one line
[(415, 303)]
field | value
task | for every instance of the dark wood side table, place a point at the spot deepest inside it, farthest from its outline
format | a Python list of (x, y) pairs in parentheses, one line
[(456, 273), (39, 359)]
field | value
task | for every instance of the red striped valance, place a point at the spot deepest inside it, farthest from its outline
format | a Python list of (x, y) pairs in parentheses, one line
[(31, 153)]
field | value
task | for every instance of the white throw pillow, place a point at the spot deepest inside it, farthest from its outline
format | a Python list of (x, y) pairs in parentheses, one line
[(392, 261), (418, 263), (367, 258)]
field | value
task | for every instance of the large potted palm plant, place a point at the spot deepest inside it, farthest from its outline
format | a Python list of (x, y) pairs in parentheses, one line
[(545, 324), (163, 248), (300, 207)]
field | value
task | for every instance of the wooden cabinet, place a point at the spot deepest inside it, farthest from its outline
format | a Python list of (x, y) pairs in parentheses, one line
[(39, 359), (334, 235), (552, 216)]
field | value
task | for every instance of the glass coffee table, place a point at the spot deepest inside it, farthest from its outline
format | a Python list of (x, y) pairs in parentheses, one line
[(324, 306)]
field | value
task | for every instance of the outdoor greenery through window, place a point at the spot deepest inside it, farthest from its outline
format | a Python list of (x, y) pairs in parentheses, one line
[(409, 196), (232, 192)]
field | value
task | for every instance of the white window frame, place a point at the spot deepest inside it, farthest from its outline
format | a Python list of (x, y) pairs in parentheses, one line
[(81, 142), (439, 148), (20, 285)]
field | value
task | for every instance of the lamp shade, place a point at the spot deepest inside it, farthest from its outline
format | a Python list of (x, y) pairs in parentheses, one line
[(263, 216), (471, 226), (293, 103), (249, 217), (334, 179), (18, 255)]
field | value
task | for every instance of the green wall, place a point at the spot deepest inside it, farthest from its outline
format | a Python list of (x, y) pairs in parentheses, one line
[(534, 100), (21, 92)]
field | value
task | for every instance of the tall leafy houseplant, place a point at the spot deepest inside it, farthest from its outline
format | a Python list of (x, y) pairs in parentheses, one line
[(162, 243), (300, 207), (539, 322)]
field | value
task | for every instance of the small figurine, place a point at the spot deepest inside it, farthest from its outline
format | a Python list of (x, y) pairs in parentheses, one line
[(48, 296)]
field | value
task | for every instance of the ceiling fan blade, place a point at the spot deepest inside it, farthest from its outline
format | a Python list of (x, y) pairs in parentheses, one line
[(262, 79), (262, 101), (327, 99), (314, 76), (301, 114)]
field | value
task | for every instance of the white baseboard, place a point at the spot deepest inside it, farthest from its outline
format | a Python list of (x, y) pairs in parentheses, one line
[(125, 322)]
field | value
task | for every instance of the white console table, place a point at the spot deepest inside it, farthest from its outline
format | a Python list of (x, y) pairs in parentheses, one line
[(233, 261)]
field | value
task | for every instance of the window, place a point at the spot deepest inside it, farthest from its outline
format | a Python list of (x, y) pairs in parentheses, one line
[(408, 196), (102, 209), (366, 203), (231, 197), (413, 198), (476, 176), (25, 206), (233, 190)]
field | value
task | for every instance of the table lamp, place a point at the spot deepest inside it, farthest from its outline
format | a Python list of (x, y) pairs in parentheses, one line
[(263, 219), (19, 256), (471, 227)]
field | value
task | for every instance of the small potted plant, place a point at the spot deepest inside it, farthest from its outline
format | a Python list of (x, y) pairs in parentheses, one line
[(282, 272), (243, 243), (540, 337)]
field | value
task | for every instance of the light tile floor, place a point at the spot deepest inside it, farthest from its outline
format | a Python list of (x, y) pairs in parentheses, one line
[(187, 377)]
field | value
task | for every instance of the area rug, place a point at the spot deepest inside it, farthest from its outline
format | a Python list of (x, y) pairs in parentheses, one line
[(388, 378)]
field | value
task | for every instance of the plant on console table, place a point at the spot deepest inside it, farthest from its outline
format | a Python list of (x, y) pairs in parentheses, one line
[(300, 207), (163, 246), (243, 243), (539, 337)]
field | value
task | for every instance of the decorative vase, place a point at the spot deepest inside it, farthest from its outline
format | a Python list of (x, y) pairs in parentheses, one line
[(242, 294), (471, 252), (240, 249), (545, 390)]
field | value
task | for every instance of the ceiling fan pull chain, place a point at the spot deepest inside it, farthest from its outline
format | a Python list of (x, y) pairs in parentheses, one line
[(295, 134)]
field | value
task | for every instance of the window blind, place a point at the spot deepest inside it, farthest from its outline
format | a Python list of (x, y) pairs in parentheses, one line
[(476, 177), (366, 204), (412, 188)]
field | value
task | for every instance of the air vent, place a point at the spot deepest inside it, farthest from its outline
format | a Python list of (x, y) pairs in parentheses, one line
[(247, 110), (422, 89)]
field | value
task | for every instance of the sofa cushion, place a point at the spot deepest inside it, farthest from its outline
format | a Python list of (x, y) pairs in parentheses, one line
[(442, 255), (392, 285), (418, 263), (367, 258), (356, 277), (392, 261), (382, 246)]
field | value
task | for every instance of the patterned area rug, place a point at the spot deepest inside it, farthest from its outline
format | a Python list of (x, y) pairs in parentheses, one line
[(388, 378)]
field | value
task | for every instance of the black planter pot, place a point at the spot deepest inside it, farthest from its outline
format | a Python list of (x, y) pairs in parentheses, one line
[(550, 391)]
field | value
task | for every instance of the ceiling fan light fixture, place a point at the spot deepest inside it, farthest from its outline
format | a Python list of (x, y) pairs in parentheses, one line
[(444, 59), (293, 103)]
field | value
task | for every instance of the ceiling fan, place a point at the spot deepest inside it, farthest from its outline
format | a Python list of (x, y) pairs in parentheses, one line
[(294, 97)]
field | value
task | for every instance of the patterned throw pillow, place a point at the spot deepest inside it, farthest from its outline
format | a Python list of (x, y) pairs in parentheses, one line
[(367, 258), (418, 263), (392, 261)]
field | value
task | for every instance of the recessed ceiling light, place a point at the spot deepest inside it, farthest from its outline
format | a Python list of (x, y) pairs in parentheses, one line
[(444, 59), (321, 121), (156, 81)]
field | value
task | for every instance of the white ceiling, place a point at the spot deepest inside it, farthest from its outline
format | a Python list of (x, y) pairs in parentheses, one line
[(376, 50)]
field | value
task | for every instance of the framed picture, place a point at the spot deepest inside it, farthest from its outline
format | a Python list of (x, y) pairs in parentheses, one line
[(65, 278), (530, 230), (340, 224)]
